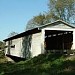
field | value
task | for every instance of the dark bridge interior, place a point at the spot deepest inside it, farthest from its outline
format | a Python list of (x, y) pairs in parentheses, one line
[(58, 40)]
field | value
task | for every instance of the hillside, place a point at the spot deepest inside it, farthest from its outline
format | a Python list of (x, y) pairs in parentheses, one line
[(44, 64)]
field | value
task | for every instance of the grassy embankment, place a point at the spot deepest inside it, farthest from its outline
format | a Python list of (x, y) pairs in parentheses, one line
[(44, 64)]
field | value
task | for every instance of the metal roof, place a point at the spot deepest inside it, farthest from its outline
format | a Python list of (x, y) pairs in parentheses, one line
[(38, 29)]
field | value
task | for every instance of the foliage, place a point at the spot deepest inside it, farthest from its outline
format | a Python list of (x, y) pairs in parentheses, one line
[(1, 45), (50, 17), (43, 64), (58, 9), (64, 9), (2, 54), (12, 34), (35, 21), (39, 19), (26, 46), (2, 57)]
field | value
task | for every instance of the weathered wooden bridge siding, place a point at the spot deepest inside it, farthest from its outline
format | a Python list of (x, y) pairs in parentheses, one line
[(18, 46), (36, 44), (6, 49), (16, 51)]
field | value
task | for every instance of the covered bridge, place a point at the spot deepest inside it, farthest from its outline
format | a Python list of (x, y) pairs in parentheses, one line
[(58, 36)]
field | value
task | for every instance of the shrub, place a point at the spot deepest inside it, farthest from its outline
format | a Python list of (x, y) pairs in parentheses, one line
[(2, 55)]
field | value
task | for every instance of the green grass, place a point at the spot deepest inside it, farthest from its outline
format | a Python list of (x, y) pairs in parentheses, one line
[(44, 64)]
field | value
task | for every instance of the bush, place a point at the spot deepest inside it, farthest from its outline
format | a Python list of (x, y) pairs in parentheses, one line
[(43, 64), (2, 55)]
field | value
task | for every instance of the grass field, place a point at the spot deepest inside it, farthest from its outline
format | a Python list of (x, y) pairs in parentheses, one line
[(44, 64)]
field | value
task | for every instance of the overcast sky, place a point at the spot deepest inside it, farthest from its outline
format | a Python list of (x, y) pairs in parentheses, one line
[(14, 14)]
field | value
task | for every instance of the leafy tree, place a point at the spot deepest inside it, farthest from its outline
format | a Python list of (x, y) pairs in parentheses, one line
[(35, 21), (12, 34), (50, 17), (63, 9), (58, 9), (30, 25), (39, 19)]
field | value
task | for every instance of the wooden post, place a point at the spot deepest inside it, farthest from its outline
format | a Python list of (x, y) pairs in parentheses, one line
[(43, 41), (73, 45)]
